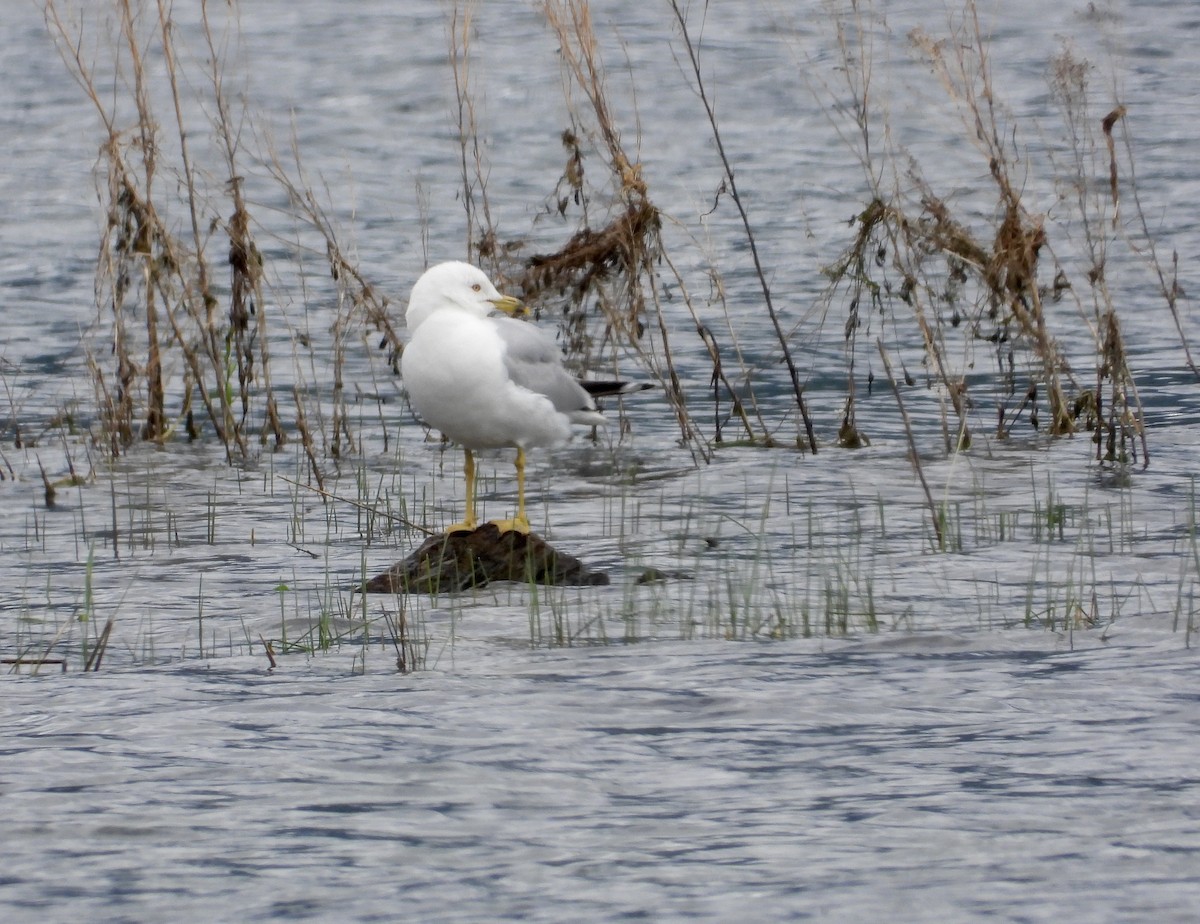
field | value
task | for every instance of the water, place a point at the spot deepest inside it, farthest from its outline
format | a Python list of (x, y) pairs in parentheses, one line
[(917, 779), (816, 716)]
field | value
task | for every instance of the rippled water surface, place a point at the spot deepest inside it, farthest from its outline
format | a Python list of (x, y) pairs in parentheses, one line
[(925, 779), (816, 715)]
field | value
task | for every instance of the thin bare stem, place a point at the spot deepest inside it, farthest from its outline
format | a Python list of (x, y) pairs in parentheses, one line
[(731, 187), (913, 456)]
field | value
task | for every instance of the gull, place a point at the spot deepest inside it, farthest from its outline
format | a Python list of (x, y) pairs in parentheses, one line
[(488, 380)]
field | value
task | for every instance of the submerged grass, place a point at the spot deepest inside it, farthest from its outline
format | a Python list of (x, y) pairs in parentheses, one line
[(924, 281), (774, 564)]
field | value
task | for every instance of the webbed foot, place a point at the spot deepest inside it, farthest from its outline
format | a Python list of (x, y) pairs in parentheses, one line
[(515, 525)]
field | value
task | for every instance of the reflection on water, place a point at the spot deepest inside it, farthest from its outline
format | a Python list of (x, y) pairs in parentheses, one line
[(820, 714)]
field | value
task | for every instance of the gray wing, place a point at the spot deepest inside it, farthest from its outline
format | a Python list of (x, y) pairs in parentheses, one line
[(533, 362)]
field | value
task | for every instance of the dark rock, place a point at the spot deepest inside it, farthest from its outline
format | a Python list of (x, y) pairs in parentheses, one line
[(655, 576), (651, 576), (462, 560)]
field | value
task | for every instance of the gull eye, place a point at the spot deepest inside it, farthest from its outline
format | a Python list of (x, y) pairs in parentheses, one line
[(477, 287)]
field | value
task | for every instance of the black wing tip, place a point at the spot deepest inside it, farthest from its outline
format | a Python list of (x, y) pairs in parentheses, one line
[(600, 389)]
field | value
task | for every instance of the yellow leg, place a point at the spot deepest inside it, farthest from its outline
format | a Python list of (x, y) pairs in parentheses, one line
[(521, 518), (520, 523), (469, 522)]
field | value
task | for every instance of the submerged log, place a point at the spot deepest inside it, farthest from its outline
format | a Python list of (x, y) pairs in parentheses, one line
[(462, 560)]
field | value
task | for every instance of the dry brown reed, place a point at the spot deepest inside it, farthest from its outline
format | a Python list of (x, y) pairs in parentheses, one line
[(409, 653), (185, 354), (911, 253), (729, 186), (177, 351), (1113, 414), (481, 232), (96, 655), (914, 455), (146, 270), (611, 269)]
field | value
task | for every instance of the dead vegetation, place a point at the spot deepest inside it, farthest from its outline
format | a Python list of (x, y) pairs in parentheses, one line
[(921, 265), (176, 353), (179, 348)]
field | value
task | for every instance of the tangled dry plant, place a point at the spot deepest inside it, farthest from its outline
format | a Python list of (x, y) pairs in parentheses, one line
[(183, 353), (953, 282), (176, 350)]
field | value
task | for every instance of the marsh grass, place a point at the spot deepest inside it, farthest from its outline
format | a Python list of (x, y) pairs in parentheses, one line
[(192, 340), (174, 348), (964, 286), (834, 566), (916, 271), (186, 310)]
